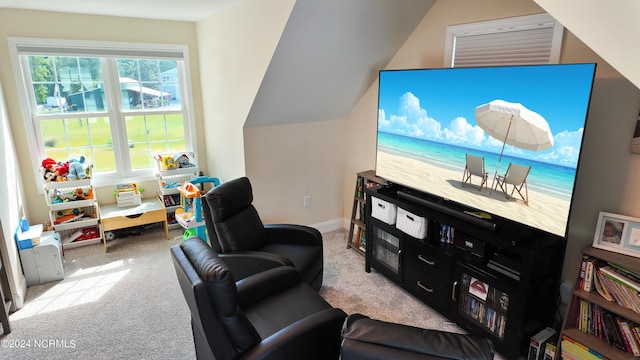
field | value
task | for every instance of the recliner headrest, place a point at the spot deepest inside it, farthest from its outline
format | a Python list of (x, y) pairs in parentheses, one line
[(230, 198)]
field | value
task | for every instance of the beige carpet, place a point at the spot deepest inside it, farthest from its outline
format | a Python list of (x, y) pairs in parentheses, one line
[(126, 304), (347, 286)]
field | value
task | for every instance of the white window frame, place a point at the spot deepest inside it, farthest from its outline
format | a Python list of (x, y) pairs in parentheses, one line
[(100, 48), (501, 30)]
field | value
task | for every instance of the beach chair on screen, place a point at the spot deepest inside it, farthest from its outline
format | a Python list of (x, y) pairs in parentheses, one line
[(474, 167), (515, 176)]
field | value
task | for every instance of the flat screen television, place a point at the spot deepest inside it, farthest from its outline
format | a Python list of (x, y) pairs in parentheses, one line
[(430, 119)]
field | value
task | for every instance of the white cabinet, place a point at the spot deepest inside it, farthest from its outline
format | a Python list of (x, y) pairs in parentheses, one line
[(43, 263), (74, 212)]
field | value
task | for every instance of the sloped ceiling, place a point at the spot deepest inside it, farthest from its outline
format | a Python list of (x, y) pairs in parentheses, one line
[(329, 54), (610, 28)]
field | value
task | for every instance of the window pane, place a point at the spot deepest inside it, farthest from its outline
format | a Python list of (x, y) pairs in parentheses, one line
[(70, 99), (66, 139), (153, 134), (149, 84), (67, 84)]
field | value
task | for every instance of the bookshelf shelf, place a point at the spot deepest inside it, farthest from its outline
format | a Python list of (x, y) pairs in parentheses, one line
[(600, 346), (75, 200), (357, 226), (571, 327)]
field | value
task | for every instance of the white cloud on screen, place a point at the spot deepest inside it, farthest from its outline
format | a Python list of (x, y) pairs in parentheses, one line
[(412, 120)]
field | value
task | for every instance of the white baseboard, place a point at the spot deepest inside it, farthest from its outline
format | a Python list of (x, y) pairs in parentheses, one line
[(332, 225)]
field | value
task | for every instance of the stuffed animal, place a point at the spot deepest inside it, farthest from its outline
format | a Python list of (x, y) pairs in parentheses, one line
[(76, 169), (49, 175), (54, 171)]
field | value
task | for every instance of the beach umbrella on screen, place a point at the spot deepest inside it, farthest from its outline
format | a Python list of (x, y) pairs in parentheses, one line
[(515, 125)]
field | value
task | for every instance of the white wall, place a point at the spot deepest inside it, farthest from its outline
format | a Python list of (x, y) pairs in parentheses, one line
[(11, 214), (236, 46), (608, 171), (287, 162)]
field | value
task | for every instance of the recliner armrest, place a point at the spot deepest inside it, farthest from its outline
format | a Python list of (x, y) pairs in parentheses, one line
[(365, 338), (293, 234), (247, 263), (317, 334), (257, 287)]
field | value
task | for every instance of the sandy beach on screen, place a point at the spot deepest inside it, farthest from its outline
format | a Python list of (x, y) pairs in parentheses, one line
[(544, 211)]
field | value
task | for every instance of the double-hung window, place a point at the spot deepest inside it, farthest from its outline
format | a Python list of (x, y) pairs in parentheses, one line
[(116, 104)]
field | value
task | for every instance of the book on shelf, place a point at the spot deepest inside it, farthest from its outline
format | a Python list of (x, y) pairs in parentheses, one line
[(600, 288), (630, 339), (583, 268), (360, 188), (575, 350), (624, 290), (615, 330), (550, 351), (625, 272), (590, 269)]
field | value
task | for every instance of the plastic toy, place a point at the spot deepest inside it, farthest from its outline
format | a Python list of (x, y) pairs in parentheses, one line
[(181, 160), (167, 162), (188, 233), (67, 218), (190, 197), (88, 234), (81, 194)]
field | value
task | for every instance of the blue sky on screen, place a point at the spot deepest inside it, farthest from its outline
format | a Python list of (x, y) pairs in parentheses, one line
[(439, 104)]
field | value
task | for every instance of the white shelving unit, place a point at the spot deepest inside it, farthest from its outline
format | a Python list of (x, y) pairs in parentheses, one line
[(168, 183), (70, 216)]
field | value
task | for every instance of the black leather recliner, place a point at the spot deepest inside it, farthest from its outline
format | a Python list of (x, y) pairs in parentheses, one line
[(234, 227), (267, 315), (272, 314), (368, 339)]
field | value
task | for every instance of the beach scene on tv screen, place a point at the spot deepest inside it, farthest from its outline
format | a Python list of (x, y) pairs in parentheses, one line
[(446, 131)]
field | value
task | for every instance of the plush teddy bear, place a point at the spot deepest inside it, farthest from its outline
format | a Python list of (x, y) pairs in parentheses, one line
[(76, 169)]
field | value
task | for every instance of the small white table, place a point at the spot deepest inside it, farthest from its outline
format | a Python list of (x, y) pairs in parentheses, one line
[(148, 212)]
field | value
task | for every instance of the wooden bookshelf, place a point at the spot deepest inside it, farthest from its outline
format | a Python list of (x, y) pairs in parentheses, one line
[(570, 327), (357, 227)]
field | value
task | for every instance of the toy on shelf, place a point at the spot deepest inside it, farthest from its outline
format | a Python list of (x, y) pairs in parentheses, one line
[(181, 160), (71, 170), (67, 216), (189, 216), (128, 195)]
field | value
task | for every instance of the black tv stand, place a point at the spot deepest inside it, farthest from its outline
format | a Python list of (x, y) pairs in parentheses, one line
[(493, 277), (411, 196)]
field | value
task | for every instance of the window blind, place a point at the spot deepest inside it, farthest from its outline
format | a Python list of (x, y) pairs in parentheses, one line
[(98, 49), (525, 40)]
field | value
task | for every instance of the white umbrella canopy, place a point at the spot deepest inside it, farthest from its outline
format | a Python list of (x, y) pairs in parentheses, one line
[(515, 125)]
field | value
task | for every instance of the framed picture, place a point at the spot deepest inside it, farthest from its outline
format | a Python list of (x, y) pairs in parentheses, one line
[(618, 233)]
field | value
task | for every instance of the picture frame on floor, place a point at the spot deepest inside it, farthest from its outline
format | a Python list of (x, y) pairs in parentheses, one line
[(618, 233)]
